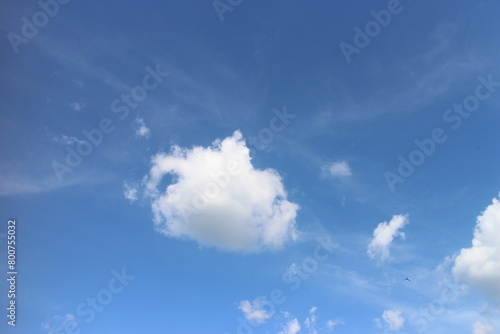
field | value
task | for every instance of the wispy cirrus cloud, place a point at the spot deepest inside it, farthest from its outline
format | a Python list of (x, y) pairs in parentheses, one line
[(481, 328), (58, 324), (66, 140)]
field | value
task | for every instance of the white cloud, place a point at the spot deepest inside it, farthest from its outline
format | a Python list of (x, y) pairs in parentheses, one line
[(130, 192), (255, 311), (34, 177), (57, 325), (77, 106), (481, 328), (479, 265), (219, 199), (383, 236), (339, 169), (292, 327), (310, 321), (292, 270), (330, 324), (66, 140), (393, 319), (141, 130)]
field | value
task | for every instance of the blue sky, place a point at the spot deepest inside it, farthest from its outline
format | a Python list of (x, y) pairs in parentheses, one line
[(251, 167)]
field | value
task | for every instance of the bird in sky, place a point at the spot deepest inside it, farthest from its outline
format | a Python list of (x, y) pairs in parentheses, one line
[(407, 279)]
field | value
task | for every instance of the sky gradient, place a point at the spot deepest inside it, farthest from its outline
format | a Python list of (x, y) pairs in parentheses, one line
[(237, 166)]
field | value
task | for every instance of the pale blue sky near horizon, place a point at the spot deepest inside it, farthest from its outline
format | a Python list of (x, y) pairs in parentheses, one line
[(334, 129)]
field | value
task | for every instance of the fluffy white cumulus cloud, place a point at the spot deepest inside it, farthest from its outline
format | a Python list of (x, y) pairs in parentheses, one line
[(393, 319), (383, 236), (479, 265), (292, 327), (218, 198), (256, 310)]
